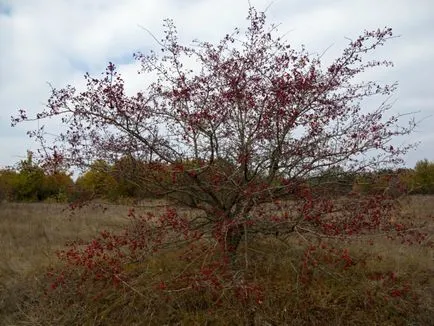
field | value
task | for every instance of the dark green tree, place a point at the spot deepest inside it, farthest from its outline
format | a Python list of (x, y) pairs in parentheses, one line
[(423, 177)]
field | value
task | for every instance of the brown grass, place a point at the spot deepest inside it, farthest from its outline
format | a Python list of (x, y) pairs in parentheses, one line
[(30, 233)]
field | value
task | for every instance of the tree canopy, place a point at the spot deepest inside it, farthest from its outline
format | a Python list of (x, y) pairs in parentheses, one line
[(245, 125)]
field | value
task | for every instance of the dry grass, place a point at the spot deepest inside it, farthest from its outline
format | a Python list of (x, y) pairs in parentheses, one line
[(30, 233)]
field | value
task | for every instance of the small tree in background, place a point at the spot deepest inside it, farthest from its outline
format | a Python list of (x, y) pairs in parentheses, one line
[(30, 182), (8, 181), (422, 179), (97, 182), (237, 136)]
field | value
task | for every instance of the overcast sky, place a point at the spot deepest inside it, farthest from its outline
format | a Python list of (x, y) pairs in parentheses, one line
[(57, 41)]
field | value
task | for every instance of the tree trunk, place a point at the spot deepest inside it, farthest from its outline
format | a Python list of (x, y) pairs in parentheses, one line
[(233, 238)]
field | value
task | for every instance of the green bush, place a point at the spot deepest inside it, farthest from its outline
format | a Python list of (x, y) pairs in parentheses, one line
[(422, 181)]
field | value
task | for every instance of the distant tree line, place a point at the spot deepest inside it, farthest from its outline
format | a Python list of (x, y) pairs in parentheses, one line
[(129, 178), (29, 182)]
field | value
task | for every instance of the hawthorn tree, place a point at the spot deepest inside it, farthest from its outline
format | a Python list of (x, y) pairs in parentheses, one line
[(236, 130)]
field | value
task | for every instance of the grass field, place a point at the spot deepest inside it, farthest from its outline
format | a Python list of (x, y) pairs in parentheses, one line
[(31, 233)]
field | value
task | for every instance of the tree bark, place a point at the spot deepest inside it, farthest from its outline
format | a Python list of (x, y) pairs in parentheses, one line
[(233, 238)]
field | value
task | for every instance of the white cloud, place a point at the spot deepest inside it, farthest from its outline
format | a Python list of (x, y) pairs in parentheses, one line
[(58, 40)]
